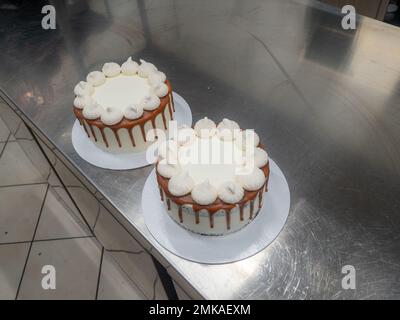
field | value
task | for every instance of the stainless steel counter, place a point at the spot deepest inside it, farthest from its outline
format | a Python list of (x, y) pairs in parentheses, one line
[(325, 101)]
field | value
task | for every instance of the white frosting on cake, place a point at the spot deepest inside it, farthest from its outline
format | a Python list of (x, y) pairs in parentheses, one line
[(260, 157), (205, 128), (168, 149), (82, 101), (96, 78), (157, 77), (253, 180), (247, 138), (111, 69), (133, 111), (146, 68), (129, 67), (111, 116), (83, 88), (92, 111), (168, 170), (150, 102), (180, 184), (231, 192), (204, 193), (226, 129), (160, 89)]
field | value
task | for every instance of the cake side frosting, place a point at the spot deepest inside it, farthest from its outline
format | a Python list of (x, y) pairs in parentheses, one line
[(119, 105), (209, 204)]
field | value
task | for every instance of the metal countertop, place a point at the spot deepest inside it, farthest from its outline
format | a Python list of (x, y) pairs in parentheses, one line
[(324, 100)]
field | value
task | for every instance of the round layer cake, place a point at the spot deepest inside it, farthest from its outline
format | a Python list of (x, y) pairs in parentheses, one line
[(119, 105), (212, 178)]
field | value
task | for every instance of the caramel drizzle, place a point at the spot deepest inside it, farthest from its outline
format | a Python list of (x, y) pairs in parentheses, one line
[(241, 206), (172, 99), (211, 220), (169, 204), (129, 124), (228, 219), (260, 196), (251, 208), (197, 217), (161, 195)]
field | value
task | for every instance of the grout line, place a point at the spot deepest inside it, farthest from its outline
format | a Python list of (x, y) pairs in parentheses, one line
[(30, 247), (23, 184), (44, 240), (62, 183), (125, 251), (99, 275), (5, 145)]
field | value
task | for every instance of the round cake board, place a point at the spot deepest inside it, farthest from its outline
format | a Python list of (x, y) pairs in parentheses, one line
[(88, 151), (240, 245)]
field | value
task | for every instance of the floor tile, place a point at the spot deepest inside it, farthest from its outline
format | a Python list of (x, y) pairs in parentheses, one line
[(76, 263), (23, 132), (9, 117), (87, 203), (2, 144), (19, 211), (4, 131), (12, 257), (60, 218), (115, 284), (16, 168), (36, 156), (182, 295)]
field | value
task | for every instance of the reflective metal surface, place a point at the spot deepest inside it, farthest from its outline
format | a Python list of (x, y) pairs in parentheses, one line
[(325, 101)]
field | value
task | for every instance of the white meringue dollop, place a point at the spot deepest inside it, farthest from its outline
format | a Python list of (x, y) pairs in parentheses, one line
[(168, 150), (156, 77), (230, 192), (226, 129), (180, 184), (129, 67), (253, 180), (96, 78), (81, 102), (161, 89), (168, 170), (133, 111), (111, 69), (111, 116), (146, 68), (150, 102), (260, 157), (247, 138), (83, 88), (92, 111), (205, 128), (204, 193)]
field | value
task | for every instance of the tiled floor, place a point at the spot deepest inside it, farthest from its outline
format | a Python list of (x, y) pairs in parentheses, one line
[(41, 226)]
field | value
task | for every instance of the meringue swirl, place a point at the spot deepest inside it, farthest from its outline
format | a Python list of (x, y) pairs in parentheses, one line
[(205, 128), (129, 67), (156, 77), (133, 111), (92, 111), (150, 102), (81, 102), (260, 157), (204, 193), (161, 89), (167, 170), (226, 129), (83, 88), (111, 116), (230, 192), (247, 138), (96, 78), (252, 181), (180, 184), (146, 68), (111, 69)]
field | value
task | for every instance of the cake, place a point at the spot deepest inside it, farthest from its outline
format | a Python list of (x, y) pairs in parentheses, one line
[(119, 105), (212, 179)]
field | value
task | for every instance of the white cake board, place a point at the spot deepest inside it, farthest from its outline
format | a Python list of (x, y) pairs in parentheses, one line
[(240, 245), (88, 150)]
